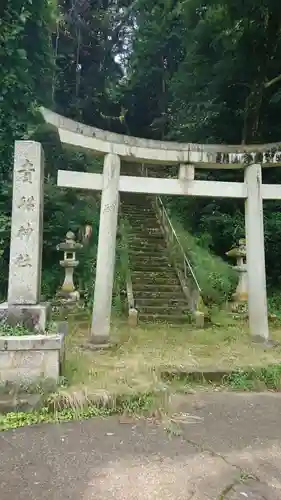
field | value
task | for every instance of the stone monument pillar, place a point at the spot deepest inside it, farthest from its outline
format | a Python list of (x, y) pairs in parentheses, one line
[(24, 287)]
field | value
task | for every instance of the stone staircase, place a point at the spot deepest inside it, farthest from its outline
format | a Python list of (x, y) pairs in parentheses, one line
[(157, 291)]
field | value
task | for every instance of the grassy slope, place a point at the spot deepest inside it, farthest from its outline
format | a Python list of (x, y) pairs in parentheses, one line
[(216, 278)]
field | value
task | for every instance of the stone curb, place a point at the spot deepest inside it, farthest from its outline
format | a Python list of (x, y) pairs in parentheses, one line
[(21, 403), (28, 402), (31, 342), (209, 374), (197, 375)]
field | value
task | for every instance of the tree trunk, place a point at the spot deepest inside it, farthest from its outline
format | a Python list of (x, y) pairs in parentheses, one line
[(252, 112)]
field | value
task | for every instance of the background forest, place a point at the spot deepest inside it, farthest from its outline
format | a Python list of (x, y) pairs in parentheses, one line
[(185, 70)]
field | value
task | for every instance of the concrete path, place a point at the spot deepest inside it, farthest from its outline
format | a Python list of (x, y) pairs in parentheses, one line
[(231, 451)]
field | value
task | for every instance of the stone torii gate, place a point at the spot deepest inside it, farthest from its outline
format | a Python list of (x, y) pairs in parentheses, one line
[(115, 147)]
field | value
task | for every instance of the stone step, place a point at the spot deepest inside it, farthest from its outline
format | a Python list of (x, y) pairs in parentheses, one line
[(148, 232), (146, 236), (155, 294), (145, 255), (150, 240), (140, 214), (139, 287), (143, 280), (144, 252), (144, 233), (165, 302), (149, 266), (148, 249), (140, 231), (157, 291), (132, 209), (170, 319), (155, 246), (157, 261), (150, 224), (143, 224), (154, 273), (135, 242), (161, 309)]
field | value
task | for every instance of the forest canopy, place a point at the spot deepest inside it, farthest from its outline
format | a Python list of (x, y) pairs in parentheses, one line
[(171, 69)]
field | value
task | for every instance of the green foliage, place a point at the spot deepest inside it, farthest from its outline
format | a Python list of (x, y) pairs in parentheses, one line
[(13, 331), (21, 419), (25, 73), (216, 278), (64, 57), (88, 36), (274, 303), (255, 379), (134, 404), (121, 267), (26, 66)]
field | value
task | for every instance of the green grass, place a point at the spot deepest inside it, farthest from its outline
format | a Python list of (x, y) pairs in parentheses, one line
[(255, 379), (138, 404), (13, 331), (138, 357), (216, 278)]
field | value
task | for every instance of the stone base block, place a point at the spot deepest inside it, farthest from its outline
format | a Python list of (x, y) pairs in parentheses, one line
[(199, 318), (32, 317), (133, 318), (31, 357), (96, 347), (98, 342), (267, 343)]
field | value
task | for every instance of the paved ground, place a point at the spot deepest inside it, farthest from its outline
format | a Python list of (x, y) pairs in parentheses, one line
[(232, 451)]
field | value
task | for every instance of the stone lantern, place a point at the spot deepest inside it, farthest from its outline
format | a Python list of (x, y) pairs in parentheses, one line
[(69, 262), (239, 253)]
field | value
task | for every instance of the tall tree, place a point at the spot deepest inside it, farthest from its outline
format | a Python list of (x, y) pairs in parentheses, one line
[(156, 53), (230, 72), (25, 70), (87, 39)]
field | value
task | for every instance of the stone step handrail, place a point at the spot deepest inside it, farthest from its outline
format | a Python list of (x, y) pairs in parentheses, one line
[(173, 239), (185, 272)]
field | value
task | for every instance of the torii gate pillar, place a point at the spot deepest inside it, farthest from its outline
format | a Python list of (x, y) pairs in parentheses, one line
[(257, 300), (106, 251)]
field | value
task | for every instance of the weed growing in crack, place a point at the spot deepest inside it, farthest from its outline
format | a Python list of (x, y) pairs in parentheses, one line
[(255, 379)]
